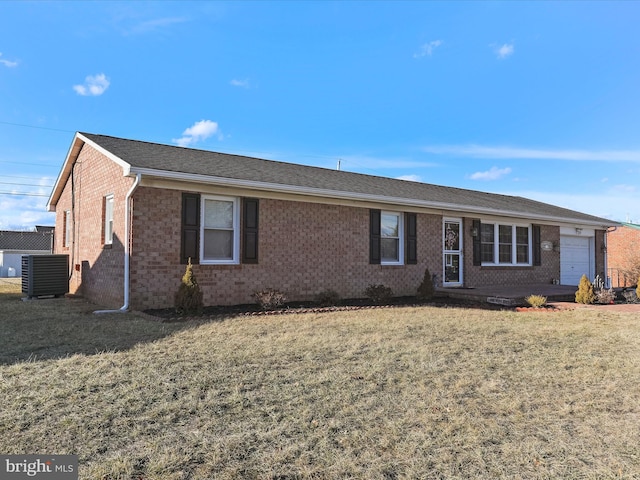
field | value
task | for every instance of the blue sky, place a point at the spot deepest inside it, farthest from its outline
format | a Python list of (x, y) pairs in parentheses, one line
[(537, 99)]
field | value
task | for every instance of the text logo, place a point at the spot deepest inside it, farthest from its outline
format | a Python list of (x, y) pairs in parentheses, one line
[(46, 467)]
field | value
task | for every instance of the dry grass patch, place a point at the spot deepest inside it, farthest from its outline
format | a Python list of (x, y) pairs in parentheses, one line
[(392, 393)]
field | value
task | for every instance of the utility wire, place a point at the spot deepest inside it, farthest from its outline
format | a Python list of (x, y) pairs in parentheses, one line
[(25, 184), (25, 194), (16, 162), (21, 176), (35, 126)]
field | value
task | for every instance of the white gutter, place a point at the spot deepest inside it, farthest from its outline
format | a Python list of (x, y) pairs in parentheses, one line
[(606, 256), (127, 241)]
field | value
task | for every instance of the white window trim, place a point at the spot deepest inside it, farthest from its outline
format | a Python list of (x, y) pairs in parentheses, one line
[(401, 239), (236, 230), (108, 218), (514, 250)]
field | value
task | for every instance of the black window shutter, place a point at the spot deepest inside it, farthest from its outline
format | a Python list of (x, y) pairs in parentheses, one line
[(250, 230), (411, 230), (537, 249), (190, 228), (374, 236), (477, 243)]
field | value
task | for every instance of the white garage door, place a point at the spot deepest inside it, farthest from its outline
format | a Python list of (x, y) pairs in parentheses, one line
[(575, 259)]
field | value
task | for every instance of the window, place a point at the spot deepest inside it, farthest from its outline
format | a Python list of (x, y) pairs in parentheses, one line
[(486, 239), (505, 243), (509, 244), (391, 245), (220, 233), (108, 220), (66, 232), (522, 245)]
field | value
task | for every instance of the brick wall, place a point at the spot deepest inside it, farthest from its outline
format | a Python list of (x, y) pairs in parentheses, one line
[(623, 254), (97, 270), (304, 248), (476, 276)]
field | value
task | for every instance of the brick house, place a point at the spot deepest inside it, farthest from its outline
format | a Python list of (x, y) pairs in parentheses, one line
[(623, 253), (132, 213)]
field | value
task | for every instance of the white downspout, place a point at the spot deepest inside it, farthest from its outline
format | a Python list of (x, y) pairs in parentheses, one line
[(127, 242), (606, 256)]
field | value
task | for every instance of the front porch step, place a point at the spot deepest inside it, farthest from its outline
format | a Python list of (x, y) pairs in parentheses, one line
[(507, 302)]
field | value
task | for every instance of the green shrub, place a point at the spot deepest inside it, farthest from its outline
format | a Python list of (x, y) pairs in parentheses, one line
[(536, 301), (425, 290), (188, 298), (270, 298), (379, 294), (585, 291), (328, 298)]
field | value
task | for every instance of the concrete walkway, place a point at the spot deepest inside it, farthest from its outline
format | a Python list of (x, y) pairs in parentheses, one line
[(562, 296), (511, 294)]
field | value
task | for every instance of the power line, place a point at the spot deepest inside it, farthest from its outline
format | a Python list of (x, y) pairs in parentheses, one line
[(25, 184), (23, 176), (16, 162), (25, 194), (35, 126)]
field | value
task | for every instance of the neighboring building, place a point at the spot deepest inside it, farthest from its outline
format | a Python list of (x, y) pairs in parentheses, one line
[(13, 245), (623, 253), (130, 214)]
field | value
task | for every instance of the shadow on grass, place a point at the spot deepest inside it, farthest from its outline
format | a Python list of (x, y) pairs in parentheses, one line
[(47, 329)]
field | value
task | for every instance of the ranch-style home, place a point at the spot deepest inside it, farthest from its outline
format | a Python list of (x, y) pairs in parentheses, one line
[(130, 214)]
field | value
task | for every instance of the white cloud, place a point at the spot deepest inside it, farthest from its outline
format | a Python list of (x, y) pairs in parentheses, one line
[(410, 178), (93, 85), (18, 212), (240, 83), (483, 151), (427, 49), (8, 63), (622, 188), (153, 25), (199, 131), (503, 51), (494, 173)]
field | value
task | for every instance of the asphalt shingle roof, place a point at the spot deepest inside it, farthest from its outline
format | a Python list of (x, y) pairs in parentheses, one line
[(11, 240), (145, 155)]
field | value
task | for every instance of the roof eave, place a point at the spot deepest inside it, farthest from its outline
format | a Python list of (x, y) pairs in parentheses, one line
[(326, 193), (79, 140)]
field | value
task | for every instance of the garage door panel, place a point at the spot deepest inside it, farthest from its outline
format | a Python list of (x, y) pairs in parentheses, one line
[(575, 259)]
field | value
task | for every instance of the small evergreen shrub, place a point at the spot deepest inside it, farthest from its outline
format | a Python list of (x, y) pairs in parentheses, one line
[(188, 298), (379, 294), (536, 301), (585, 291), (270, 298), (425, 289), (328, 298), (605, 296)]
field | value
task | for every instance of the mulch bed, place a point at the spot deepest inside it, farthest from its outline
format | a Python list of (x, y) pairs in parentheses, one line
[(221, 312)]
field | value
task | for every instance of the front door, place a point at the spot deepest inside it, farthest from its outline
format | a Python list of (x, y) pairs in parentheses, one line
[(452, 253)]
